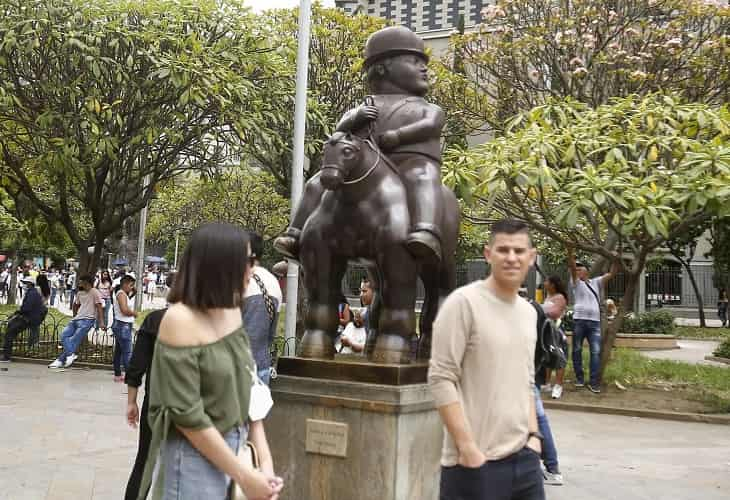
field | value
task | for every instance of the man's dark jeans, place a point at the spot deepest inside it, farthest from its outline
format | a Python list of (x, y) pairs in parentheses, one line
[(516, 477), (16, 325), (585, 329), (145, 437)]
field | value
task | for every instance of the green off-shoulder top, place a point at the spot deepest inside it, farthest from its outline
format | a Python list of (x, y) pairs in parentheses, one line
[(197, 387)]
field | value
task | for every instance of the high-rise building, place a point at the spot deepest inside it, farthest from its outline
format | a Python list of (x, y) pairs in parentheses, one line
[(419, 15)]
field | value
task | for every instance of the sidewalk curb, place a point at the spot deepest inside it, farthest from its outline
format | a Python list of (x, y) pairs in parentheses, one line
[(635, 412), (717, 359)]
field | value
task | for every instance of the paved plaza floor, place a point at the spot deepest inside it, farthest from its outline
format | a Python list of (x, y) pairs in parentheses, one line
[(63, 436)]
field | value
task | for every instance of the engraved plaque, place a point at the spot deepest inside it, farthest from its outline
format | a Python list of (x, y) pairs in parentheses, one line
[(325, 437)]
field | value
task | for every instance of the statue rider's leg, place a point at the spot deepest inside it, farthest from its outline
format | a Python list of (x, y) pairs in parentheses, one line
[(422, 177), (288, 243)]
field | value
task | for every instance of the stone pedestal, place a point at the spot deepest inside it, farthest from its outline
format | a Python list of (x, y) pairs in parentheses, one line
[(348, 440)]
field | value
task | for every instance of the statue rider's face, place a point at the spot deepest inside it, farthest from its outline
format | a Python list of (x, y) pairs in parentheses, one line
[(409, 72)]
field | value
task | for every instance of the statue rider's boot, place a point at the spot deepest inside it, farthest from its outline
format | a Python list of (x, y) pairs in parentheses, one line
[(288, 243), (424, 245)]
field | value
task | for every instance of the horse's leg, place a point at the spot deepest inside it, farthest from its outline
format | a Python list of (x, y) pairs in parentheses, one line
[(396, 325), (321, 319), (431, 282)]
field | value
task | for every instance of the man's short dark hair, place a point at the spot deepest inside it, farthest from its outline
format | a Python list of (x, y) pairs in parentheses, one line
[(583, 264), (212, 268), (127, 279), (86, 278), (257, 244), (508, 226)]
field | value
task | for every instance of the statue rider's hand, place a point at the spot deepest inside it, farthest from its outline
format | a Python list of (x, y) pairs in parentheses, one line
[(365, 114), (389, 140)]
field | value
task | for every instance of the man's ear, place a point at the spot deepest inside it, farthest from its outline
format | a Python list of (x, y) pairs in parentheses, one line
[(487, 253)]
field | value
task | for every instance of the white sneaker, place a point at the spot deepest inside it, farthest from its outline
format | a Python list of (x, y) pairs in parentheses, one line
[(557, 391), (553, 479), (546, 388), (69, 360), (56, 364)]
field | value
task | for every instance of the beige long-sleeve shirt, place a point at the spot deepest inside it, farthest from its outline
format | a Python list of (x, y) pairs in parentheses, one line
[(483, 357)]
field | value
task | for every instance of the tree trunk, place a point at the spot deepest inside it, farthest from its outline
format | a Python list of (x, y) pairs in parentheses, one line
[(700, 304), (89, 262), (609, 331), (13, 286)]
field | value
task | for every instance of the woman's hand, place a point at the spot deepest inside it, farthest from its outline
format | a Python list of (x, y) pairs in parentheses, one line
[(132, 414), (259, 485)]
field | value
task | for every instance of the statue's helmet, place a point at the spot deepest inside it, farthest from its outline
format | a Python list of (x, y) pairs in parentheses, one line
[(392, 41)]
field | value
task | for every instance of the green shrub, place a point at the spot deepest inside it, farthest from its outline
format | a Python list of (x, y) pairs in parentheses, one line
[(723, 350), (657, 322)]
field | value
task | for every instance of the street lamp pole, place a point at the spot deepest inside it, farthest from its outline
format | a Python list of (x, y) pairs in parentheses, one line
[(140, 251), (297, 178)]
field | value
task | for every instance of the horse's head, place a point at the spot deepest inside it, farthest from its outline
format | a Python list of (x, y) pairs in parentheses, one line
[(342, 157)]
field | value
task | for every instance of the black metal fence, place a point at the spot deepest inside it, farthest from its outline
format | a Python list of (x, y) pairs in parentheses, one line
[(45, 343)]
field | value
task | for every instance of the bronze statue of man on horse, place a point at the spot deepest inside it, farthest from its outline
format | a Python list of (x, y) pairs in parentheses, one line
[(378, 199)]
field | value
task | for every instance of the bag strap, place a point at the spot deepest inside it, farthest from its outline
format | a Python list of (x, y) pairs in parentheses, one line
[(270, 308), (588, 284)]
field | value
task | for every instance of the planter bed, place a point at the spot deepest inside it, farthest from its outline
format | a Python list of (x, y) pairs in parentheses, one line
[(643, 341), (718, 359)]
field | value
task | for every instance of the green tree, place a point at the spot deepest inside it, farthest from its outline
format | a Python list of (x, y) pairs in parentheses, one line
[(529, 51), (633, 175), (335, 84), (102, 101), (239, 196)]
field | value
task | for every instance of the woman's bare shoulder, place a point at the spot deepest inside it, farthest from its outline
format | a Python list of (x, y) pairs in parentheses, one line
[(180, 327)]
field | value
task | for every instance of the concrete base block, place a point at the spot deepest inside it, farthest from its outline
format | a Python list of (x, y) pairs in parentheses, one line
[(392, 435)]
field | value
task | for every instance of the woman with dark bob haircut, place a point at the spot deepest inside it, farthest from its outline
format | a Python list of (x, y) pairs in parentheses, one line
[(199, 396)]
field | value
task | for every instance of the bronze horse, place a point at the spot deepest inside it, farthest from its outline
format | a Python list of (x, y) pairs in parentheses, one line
[(363, 216)]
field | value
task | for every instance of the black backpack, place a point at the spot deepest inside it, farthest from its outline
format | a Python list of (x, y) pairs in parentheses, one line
[(548, 351)]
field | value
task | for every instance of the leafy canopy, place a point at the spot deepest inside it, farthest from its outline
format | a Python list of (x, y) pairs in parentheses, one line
[(97, 96), (640, 169)]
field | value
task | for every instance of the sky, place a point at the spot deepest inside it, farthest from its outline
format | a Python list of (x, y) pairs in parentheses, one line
[(259, 5)]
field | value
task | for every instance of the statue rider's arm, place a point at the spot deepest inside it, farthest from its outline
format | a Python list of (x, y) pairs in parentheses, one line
[(347, 122), (428, 127)]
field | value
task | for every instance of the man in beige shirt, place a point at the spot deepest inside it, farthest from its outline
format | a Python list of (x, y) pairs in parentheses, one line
[(482, 377)]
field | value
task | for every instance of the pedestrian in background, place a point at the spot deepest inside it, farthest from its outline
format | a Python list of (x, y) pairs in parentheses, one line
[(124, 315), (722, 307), (555, 305), (105, 291), (140, 366), (260, 311), (587, 318)]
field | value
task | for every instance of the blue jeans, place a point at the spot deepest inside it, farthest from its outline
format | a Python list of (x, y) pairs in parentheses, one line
[(122, 345), (107, 306), (585, 329), (265, 375), (549, 452), (72, 336), (515, 477), (188, 474)]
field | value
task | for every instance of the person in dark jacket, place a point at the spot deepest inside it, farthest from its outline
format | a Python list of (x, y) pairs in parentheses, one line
[(139, 366), (31, 314)]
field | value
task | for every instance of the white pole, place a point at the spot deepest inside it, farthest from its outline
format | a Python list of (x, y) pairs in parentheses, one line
[(297, 177), (177, 241), (140, 252)]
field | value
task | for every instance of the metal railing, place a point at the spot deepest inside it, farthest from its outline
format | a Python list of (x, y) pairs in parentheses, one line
[(45, 342)]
